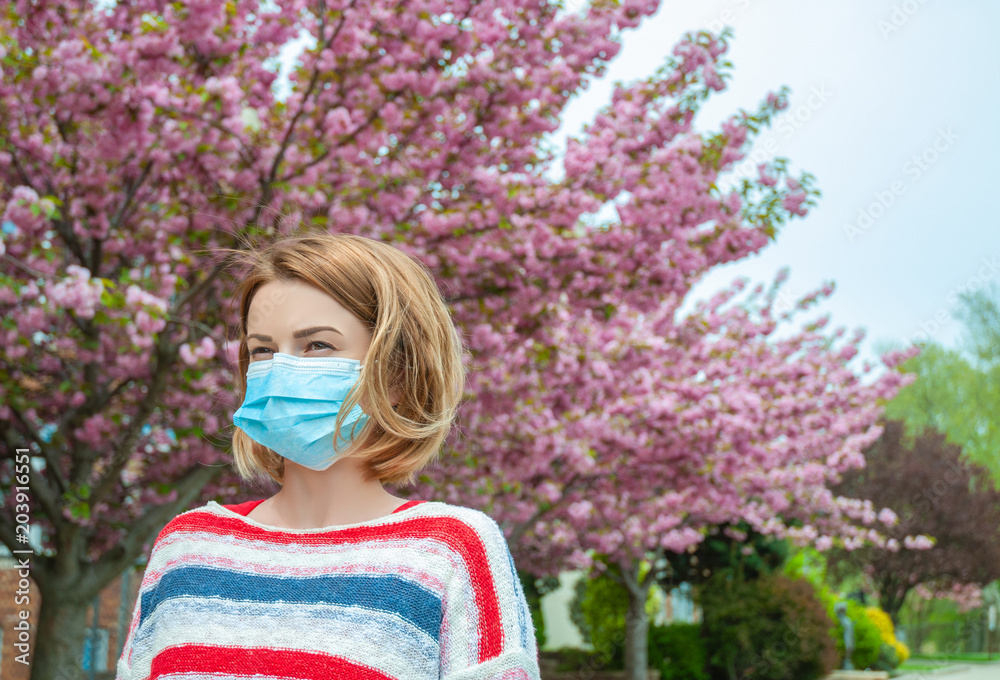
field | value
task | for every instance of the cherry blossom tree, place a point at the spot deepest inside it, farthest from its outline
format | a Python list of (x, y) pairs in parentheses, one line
[(670, 428), (135, 138)]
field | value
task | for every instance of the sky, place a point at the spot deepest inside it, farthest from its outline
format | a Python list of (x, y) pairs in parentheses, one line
[(894, 108)]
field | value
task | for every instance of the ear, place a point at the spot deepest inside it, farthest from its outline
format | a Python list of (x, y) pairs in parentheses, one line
[(395, 395)]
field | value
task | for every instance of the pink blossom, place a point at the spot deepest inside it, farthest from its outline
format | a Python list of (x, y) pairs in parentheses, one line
[(794, 203), (920, 542), (77, 292), (887, 517), (337, 121), (764, 175)]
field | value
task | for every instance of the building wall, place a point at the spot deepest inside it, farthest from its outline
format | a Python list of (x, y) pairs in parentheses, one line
[(560, 631)]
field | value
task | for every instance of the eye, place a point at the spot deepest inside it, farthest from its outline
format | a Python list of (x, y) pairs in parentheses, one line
[(319, 345)]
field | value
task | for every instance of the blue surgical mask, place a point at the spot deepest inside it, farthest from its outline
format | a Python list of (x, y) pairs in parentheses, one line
[(291, 407)]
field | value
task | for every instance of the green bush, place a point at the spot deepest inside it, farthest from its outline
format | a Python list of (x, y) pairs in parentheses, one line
[(887, 659), (771, 628), (573, 659), (599, 609), (678, 651), (811, 565)]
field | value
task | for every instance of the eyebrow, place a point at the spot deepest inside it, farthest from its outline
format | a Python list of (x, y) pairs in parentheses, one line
[(297, 334)]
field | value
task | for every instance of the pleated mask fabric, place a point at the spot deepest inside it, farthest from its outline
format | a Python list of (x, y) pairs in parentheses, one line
[(291, 407)]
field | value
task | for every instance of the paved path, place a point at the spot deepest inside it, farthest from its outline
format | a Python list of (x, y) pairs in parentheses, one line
[(982, 671)]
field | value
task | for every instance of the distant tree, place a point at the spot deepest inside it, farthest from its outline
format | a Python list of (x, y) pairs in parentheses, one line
[(956, 397), (957, 391), (979, 311), (934, 493)]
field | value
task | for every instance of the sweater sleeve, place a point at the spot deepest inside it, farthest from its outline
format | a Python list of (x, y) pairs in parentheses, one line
[(486, 628)]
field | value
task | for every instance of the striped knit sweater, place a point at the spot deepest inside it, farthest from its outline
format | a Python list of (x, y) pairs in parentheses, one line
[(429, 591)]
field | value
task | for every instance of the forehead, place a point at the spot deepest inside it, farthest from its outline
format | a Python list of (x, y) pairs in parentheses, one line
[(282, 304)]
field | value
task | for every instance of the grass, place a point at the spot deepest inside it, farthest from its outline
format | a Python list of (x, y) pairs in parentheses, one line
[(930, 662), (933, 663), (965, 657)]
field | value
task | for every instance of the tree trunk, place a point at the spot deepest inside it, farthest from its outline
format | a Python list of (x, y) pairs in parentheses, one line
[(58, 639), (892, 595), (636, 625)]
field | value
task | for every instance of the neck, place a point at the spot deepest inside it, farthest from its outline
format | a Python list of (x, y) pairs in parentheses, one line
[(311, 499)]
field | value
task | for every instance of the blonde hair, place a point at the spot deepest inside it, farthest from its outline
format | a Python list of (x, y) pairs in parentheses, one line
[(414, 347)]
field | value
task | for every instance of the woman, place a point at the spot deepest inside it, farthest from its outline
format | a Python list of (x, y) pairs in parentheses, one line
[(350, 372)]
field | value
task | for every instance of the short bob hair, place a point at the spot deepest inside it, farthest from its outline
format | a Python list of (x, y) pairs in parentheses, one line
[(414, 347)]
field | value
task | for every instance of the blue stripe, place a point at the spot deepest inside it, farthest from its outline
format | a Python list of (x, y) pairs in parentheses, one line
[(522, 602), (384, 592), (336, 629)]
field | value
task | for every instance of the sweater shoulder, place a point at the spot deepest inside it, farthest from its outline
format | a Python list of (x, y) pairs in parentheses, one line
[(472, 518), (184, 520)]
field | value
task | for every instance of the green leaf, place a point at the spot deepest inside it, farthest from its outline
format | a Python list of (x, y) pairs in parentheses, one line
[(80, 510)]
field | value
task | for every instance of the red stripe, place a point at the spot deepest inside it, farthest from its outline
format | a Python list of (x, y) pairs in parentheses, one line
[(407, 504), (452, 532), (247, 507), (283, 663), (244, 508)]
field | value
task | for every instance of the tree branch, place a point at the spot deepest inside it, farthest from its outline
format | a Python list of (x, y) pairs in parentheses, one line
[(313, 80), (51, 463), (166, 354), (113, 562), (30, 270), (520, 529), (131, 188)]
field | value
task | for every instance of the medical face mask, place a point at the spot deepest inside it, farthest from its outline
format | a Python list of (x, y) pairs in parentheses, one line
[(291, 407)]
